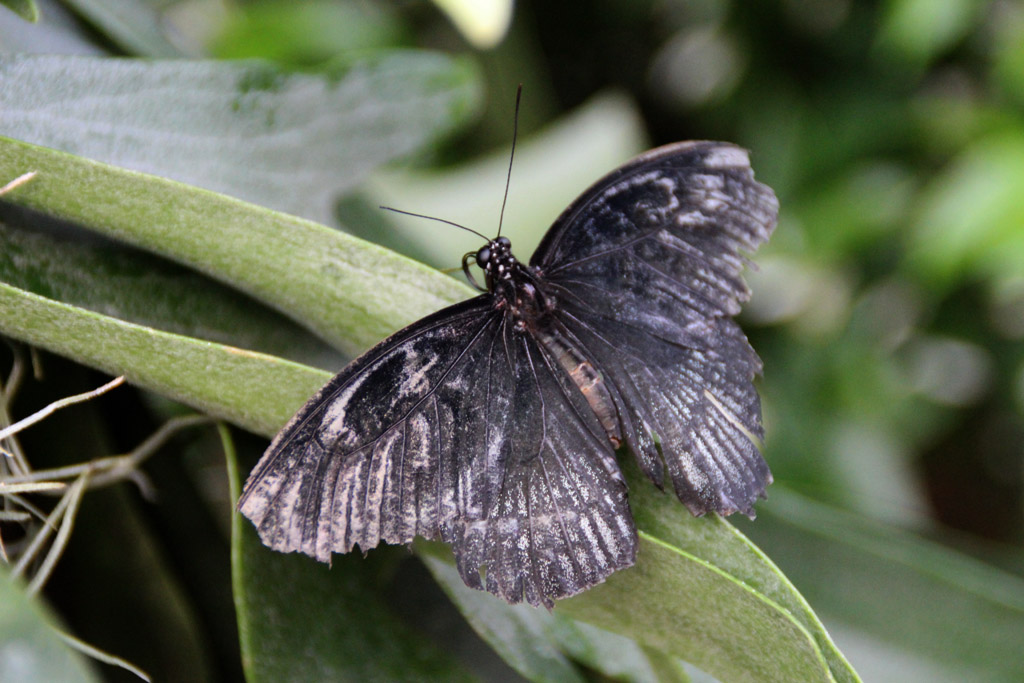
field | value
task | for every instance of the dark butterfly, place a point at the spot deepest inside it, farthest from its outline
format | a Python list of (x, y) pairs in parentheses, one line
[(493, 423)]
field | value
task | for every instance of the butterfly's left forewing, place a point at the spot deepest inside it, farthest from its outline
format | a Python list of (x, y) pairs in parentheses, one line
[(460, 428)]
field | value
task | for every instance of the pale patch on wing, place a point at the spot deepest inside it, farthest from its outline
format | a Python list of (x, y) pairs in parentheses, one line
[(333, 424), (731, 418), (416, 380), (691, 218), (727, 156), (629, 182), (708, 181)]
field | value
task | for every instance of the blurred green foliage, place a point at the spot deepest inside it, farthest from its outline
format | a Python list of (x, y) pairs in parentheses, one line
[(888, 307)]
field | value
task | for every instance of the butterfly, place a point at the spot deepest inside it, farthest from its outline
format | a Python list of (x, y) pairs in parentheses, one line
[(493, 424)]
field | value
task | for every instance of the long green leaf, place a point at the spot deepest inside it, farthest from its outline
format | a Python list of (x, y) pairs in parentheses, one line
[(254, 390), (723, 546), (543, 645), (670, 601), (352, 293), (303, 621), (74, 267), (681, 604), (290, 141), (710, 541)]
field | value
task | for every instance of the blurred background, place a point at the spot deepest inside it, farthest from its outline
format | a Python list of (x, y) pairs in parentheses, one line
[(888, 307)]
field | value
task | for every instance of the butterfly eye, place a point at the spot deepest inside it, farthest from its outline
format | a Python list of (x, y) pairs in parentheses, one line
[(504, 241), (483, 256)]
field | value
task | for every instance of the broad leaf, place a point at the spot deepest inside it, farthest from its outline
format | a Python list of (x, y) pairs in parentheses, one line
[(288, 140), (136, 26), (899, 586), (543, 645)]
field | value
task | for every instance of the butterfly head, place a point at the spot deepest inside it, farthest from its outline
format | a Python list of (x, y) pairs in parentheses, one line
[(495, 259)]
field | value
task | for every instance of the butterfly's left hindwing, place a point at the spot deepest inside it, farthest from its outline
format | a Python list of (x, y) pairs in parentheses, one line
[(457, 427), (557, 519)]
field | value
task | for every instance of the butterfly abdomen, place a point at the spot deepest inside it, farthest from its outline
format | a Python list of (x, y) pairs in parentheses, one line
[(585, 376)]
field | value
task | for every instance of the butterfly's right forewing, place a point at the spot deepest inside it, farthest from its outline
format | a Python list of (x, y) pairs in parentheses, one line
[(369, 458)]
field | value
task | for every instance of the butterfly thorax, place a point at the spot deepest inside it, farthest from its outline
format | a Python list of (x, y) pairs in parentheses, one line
[(516, 288), (519, 290)]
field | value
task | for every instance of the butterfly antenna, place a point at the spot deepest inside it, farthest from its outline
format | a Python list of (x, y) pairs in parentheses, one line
[(439, 220), (508, 179)]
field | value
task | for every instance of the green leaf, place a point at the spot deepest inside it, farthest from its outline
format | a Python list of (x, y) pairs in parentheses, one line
[(26, 9), (700, 591), (912, 593), (718, 542), (300, 620), (66, 264), (287, 140), (670, 601), (30, 648), (350, 292), (136, 26), (918, 31), (309, 32), (684, 605), (254, 390), (613, 655), (543, 645), (969, 217)]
